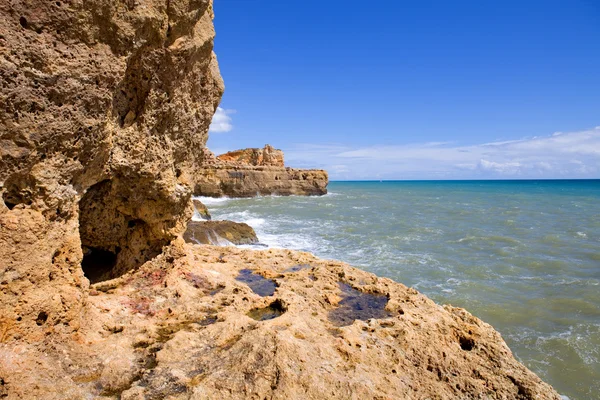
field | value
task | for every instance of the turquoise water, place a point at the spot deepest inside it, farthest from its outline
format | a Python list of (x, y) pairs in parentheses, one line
[(523, 256)]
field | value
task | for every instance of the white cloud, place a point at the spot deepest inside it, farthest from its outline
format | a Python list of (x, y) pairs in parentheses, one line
[(551, 156), (505, 168), (221, 121)]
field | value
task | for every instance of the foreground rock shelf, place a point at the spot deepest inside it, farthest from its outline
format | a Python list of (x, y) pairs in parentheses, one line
[(184, 326)]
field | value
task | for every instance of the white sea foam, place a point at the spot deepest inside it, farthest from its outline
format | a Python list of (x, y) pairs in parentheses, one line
[(211, 201), (480, 257)]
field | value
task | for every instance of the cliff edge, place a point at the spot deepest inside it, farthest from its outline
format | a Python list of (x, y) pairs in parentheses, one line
[(105, 109), (252, 172)]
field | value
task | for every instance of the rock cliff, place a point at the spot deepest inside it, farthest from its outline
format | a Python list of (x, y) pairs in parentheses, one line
[(105, 108), (252, 172), (102, 104), (268, 157)]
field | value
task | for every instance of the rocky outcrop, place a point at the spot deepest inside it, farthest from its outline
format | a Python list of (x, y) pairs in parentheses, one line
[(200, 210), (248, 181), (102, 105), (252, 172), (221, 322), (265, 157), (219, 233), (105, 108)]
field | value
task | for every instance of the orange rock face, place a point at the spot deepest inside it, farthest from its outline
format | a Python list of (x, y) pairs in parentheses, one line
[(265, 157), (104, 113), (102, 104), (254, 172)]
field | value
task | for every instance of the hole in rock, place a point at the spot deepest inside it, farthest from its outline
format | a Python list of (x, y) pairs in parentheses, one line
[(358, 305), (41, 318), (113, 243), (9, 205), (466, 343), (97, 263), (273, 310), (17, 191), (259, 284), (23, 22)]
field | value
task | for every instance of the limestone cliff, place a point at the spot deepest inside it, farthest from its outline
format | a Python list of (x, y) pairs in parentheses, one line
[(252, 172), (267, 156), (102, 104), (105, 108)]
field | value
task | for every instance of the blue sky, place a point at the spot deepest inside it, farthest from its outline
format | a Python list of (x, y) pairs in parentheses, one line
[(413, 89)]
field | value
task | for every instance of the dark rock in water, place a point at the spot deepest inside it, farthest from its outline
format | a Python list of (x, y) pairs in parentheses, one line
[(219, 233), (273, 310), (201, 210), (259, 285), (358, 305)]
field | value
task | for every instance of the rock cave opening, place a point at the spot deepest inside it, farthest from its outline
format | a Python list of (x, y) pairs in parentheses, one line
[(98, 263), (113, 243)]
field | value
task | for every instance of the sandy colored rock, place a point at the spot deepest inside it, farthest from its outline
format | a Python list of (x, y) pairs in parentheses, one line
[(182, 327), (254, 172), (249, 181), (105, 108), (265, 157), (102, 107), (219, 233), (200, 210)]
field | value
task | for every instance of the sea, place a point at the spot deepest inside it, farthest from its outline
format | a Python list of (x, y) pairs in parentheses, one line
[(523, 255)]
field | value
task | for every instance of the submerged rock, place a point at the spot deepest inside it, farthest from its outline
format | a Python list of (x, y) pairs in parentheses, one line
[(219, 233), (358, 305), (259, 285)]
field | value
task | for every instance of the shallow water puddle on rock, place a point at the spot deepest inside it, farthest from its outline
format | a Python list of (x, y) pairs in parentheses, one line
[(259, 284), (273, 310), (358, 305), (297, 268)]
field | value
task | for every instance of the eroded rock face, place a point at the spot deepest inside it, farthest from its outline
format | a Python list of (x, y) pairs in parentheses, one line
[(102, 105), (185, 326), (248, 181), (219, 233), (265, 157), (200, 210), (254, 172), (105, 107)]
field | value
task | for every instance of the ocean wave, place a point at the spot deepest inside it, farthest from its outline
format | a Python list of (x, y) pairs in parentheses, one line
[(211, 201)]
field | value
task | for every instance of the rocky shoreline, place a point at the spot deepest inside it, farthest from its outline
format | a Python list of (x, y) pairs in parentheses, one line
[(185, 325), (106, 107)]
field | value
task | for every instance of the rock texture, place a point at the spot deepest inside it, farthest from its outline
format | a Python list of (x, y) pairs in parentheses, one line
[(252, 172), (200, 210), (219, 233), (185, 326), (102, 105), (105, 108), (265, 157)]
